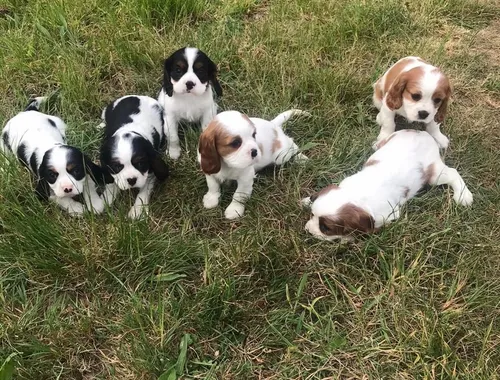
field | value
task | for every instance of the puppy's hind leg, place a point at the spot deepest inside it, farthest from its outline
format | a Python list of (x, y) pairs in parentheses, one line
[(444, 175)]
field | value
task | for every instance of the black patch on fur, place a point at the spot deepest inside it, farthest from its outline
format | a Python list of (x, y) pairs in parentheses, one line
[(156, 140), (119, 115), (5, 138), (22, 156), (52, 122), (33, 164), (176, 66), (32, 105)]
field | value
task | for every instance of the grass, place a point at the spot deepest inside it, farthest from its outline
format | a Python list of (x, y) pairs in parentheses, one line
[(187, 294)]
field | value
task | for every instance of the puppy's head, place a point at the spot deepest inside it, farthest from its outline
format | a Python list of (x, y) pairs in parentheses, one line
[(190, 71), (423, 92), (334, 217), (228, 139), (130, 158), (63, 169)]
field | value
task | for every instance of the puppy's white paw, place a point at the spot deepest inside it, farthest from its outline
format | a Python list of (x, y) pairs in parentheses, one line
[(211, 200), (76, 209), (234, 211), (464, 198), (442, 141), (174, 152), (306, 202), (97, 205), (138, 212), (301, 157)]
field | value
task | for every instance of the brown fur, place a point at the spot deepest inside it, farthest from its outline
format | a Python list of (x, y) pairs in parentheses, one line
[(443, 91), (324, 191), (348, 219), (370, 163), (405, 84), (276, 143), (214, 143), (428, 174)]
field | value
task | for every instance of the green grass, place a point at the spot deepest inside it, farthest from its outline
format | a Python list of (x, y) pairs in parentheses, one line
[(187, 294)]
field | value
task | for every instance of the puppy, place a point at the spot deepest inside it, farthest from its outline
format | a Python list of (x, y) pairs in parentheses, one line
[(190, 78), (404, 162), (63, 172), (130, 151), (416, 90), (235, 147)]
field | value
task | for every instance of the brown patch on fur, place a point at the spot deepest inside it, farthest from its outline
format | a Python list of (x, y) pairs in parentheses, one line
[(379, 93), (385, 141), (406, 84), (427, 174), (215, 142), (324, 191), (370, 163), (276, 142), (406, 191), (348, 219), (70, 167), (443, 92)]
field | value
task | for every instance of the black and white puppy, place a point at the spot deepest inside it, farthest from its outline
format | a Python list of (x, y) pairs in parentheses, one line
[(63, 172), (189, 79), (130, 151)]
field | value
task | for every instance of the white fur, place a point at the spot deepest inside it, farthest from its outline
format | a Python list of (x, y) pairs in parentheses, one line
[(240, 165), (383, 188), (410, 109)]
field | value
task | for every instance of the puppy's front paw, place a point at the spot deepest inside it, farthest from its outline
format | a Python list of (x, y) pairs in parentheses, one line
[(442, 141), (76, 209), (174, 152), (301, 158), (97, 205), (234, 211), (211, 200), (138, 212), (464, 198), (306, 202)]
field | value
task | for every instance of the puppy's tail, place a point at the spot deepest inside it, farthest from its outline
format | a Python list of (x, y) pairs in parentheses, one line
[(34, 104), (282, 118)]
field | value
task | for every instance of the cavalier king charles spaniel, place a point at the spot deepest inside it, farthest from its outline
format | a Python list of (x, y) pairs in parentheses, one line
[(189, 80), (416, 90), (362, 203), (235, 147), (131, 146), (63, 172)]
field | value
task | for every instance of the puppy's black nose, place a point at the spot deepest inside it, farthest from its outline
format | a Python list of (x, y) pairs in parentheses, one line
[(422, 114), (254, 153), (190, 85), (131, 181), (68, 190)]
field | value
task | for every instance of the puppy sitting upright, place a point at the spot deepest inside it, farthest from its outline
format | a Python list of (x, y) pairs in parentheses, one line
[(404, 162), (63, 172), (235, 147), (189, 79), (416, 90), (130, 150)]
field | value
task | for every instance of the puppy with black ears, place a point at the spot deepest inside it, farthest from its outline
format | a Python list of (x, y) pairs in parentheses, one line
[(189, 82), (133, 136), (63, 172)]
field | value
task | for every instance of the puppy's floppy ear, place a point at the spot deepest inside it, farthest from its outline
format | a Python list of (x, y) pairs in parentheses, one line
[(42, 189), (209, 157), (443, 108), (159, 167), (348, 219), (394, 98), (98, 174), (167, 83), (212, 74)]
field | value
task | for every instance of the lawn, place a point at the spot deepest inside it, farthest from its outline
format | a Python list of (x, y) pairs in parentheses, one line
[(187, 294)]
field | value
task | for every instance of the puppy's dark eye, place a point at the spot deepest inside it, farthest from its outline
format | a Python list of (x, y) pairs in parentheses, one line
[(52, 176), (437, 100), (178, 70), (323, 227), (76, 172), (142, 166), (115, 167), (236, 143), (416, 97), (254, 134)]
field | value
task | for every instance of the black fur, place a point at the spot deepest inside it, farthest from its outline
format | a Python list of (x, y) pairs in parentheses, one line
[(119, 115), (5, 137), (22, 155), (176, 66), (52, 122), (33, 105)]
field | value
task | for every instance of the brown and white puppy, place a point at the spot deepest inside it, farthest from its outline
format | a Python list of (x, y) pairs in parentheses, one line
[(416, 90), (404, 162), (235, 147)]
